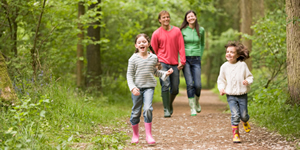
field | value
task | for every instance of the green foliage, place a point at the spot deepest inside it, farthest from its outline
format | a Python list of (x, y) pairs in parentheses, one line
[(126, 19), (57, 115), (215, 55), (269, 46), (269, 109)]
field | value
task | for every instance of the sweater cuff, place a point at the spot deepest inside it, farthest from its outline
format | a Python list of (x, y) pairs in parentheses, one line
[(164, 76)]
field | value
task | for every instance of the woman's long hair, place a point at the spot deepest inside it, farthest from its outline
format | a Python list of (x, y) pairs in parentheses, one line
[(185, 23)]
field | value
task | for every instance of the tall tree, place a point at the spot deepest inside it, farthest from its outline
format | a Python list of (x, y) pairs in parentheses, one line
[(93, 50), (246, 22), (11, 12), (34, 51), (293, 49), (7, 93), (80, 47)]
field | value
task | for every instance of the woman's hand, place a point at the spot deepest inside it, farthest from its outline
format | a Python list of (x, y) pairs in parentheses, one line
[(170, 71), (135, 91)]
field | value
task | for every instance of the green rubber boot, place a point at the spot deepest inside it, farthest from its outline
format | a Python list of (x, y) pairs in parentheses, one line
[(192, 104), (198, 107), (166, 102), (172, 98)]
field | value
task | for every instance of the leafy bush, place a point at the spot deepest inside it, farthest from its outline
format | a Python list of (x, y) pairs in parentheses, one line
[(269, 109), (58, 115)]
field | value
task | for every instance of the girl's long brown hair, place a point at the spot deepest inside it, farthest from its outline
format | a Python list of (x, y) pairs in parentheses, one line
[(185, 23), (240, 50)]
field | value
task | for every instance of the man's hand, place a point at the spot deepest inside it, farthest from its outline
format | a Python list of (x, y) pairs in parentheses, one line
[(180, 66)]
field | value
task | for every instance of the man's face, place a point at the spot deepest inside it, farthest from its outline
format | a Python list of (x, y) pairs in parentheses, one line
[(164, 19)]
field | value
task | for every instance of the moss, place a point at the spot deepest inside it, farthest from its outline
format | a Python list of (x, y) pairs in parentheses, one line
[(7, 93)]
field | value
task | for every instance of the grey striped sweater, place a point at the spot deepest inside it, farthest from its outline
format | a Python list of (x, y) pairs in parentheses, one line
[(140, 72)]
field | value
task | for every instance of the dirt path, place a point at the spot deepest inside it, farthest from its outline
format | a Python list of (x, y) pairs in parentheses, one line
[(211, 129)]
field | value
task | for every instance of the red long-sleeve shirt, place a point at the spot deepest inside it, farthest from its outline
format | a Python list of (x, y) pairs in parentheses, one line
[(167, 45)]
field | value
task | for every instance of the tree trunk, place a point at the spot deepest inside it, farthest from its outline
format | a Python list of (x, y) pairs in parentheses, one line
[(246, 17), (7, 93), (293, 49), (33, 51), (93, 54), (208, 62), (80, 47)]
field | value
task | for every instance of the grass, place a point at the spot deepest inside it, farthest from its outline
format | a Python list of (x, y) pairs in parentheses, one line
[(60, 116)]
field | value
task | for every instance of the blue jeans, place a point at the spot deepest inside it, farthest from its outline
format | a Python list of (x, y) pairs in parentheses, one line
[(172, 82), (238, 108), (145, 97), (192, 74)]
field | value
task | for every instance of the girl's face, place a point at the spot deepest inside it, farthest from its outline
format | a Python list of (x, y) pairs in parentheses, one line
[(231, 55), (142, 44), (191, 18)]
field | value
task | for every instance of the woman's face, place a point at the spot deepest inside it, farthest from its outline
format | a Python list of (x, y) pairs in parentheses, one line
[(191, 18), (142, 44), (231, 55)]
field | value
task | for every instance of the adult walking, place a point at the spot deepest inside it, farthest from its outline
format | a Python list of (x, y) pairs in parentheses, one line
[(167, 42), (193, 36)]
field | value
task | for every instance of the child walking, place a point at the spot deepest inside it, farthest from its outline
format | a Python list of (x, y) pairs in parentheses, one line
[(234, 80), (142, 66)]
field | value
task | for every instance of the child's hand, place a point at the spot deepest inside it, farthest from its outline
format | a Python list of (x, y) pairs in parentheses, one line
[(170, 71), (245, 82), (222, 92), (135, 91), (158, 66)]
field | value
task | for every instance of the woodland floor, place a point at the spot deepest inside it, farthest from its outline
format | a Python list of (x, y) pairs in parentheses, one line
[(210, 129)]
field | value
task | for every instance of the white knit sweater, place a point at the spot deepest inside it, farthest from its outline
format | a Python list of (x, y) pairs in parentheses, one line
[(231, 78)]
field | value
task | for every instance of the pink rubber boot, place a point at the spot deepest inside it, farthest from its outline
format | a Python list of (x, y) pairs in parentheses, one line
[(149, 137), (135, 136)]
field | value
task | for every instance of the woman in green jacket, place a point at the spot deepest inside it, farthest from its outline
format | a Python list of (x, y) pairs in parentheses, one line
[(193, 36)]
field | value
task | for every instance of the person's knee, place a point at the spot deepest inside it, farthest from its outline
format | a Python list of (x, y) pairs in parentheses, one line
[(245, 118)]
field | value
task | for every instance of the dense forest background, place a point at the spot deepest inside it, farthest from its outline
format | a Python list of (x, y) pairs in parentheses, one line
[(67, 61)]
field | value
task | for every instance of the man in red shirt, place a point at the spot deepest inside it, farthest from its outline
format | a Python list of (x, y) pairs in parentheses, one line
[(167, 42)]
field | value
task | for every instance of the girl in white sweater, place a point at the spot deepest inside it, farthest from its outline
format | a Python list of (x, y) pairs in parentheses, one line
[(234, 80)]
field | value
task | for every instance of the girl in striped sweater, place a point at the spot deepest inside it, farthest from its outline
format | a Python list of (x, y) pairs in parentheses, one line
[(142, 66)]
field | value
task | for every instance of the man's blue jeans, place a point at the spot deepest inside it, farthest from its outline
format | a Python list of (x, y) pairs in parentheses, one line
[(238, 108), (145, 97), (172, 82), (192, 74)]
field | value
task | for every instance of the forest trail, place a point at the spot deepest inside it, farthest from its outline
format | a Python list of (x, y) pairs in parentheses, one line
[(210, 129)]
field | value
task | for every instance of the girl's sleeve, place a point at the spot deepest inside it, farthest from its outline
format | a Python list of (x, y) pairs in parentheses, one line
[(161, 74), (130, 74), (222, 79), (248, 75)]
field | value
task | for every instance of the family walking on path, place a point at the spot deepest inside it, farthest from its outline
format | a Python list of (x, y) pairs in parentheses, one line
[(173, 49)]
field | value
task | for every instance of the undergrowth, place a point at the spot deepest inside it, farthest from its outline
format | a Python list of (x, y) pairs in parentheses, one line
[(57, 115)]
